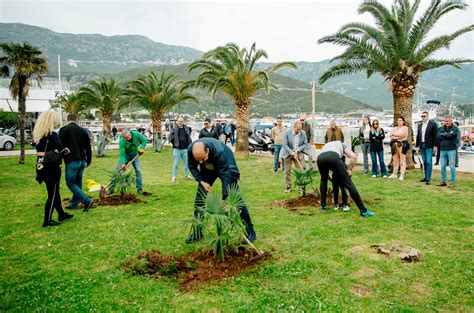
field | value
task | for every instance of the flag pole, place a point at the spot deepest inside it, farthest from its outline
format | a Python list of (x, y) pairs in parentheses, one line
[(313, 102), (60, 92)]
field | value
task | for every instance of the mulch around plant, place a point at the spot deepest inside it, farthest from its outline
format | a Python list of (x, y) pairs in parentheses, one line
[(193, 269), (127, 198)]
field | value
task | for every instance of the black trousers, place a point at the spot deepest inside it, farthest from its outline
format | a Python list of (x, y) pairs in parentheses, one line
[(210, 177), (330, 161), (335, 190), (53, 201)]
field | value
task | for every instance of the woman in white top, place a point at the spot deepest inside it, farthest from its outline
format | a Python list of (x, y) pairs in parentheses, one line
[(364, 132), (400, 146)]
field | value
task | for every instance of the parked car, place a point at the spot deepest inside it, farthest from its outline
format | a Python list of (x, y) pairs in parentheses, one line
[(7, 142)]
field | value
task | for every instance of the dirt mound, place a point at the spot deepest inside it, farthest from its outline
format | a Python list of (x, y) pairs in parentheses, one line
[(127, 198), (146, 193), (195, 268)]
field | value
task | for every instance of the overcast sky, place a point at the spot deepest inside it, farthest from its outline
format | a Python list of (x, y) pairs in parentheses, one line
[(286, 30)]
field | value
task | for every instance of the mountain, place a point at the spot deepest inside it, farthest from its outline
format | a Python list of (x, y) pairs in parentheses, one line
[(292, 96), (435, 84), (94, 53)]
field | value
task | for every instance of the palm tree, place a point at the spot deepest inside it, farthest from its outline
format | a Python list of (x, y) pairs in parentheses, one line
[(28, 63), (157, 96), (397, 47), (70, 103), (230, 70), (105, 95)]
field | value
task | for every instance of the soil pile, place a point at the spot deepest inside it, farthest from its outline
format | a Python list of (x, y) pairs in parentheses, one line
[(195, 268), (127, 198)]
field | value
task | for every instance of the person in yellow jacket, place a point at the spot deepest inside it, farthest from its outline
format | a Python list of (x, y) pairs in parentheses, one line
[(131, 143)]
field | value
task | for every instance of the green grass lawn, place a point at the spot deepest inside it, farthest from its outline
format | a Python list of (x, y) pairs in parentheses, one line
[(321, 262)]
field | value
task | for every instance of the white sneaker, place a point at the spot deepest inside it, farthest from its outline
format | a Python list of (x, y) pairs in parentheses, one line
[(401, 177), (374, 176), (346, 208), (393, 176), (173, 179), (336, 207), (287, 189), (384, 176)]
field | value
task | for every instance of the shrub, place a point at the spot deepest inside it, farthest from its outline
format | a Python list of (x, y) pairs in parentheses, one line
[(123, 180), (220, 221), (303, 178)]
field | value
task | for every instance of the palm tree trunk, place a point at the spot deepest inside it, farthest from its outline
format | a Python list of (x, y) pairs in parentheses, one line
[(22, 115), (106, 122), (156, 123), (403, 106), (242, 115)]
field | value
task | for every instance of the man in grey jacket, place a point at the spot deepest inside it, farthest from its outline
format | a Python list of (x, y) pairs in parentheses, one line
[(294, 145)]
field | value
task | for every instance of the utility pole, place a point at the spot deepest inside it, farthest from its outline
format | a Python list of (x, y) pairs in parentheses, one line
[(313, 104)]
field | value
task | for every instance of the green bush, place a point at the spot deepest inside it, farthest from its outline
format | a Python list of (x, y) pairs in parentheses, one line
[(303, 178), (8, 119), (123, 180)]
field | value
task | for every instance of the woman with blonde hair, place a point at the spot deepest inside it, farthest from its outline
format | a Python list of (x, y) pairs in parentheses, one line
[(48, 165), (364, 133), (400, 146)]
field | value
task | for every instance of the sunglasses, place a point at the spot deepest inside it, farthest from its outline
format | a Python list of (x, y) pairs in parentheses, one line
[(423, 116), (375, 123)]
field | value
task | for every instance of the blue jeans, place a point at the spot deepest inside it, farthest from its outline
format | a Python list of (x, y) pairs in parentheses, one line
[(448, 155), (178, 155), (275, 158), (427, 156), (375, 168), (138, 172), (74, 171), (365, 146)]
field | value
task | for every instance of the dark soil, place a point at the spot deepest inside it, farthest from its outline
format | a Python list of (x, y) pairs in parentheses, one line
[(146, 193), (127, 198), (195, 268)]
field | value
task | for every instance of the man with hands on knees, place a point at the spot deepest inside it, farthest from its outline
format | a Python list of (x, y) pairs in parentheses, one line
[(131, 144), (209, 159)]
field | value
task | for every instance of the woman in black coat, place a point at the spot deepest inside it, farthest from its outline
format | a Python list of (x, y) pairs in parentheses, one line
[(376, 137), (50, 172)]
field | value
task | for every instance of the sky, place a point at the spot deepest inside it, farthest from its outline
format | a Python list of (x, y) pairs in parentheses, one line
[(288, 31)]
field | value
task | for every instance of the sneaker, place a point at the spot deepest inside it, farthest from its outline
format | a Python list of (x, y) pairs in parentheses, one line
[(192, 239), (401, 177), (384, 176), (189, 177), (173, 179), (324, 208), (252, 236), (393, 176), (374, 176), (88, 205), (336, 207), (346, 208), (451, 185), (139, 191), (367, 214), (423, 180), (441, 184), (70, 207), (65, 216), (288, 189), (301, 190), (427, 182), (51, 223)]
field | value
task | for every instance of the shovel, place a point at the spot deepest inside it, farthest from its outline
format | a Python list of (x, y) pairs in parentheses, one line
[(103, 188), (260, 253)]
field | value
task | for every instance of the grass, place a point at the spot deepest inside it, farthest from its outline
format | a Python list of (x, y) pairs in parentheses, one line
[(321, 262)]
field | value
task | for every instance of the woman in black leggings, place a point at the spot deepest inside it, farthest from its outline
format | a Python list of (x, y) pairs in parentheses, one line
[(50, 173)]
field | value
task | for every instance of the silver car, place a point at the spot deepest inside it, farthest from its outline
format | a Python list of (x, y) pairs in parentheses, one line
[(7, 142)]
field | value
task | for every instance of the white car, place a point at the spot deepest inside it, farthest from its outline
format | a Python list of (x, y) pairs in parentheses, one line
[(7, 142)]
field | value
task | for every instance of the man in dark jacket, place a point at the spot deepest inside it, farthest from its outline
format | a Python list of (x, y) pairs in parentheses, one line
[(208, 130), (76, 139), (210, 159), (180, 138), (425, 142), (448, 141)]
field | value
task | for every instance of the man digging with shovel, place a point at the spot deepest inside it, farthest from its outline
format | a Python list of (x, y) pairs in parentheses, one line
[(131, 145)]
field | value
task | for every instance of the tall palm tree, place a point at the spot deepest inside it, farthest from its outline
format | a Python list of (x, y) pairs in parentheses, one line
[(231, 70), (28, 63), (106, 95), (70, 103), (157, 95), (396, 47)]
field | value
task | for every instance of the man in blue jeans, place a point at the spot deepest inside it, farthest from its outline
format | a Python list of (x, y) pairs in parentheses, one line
[(277, 135), (425, 142), (77, 140), (131, 144), (180, 138), (448, 141)]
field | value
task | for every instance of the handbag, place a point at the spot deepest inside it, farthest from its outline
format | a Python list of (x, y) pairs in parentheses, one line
[(47, 158)]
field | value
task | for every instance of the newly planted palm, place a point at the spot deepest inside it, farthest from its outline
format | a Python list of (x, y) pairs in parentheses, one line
[(220, 221), (157, 95), (304, 178), (106, 95), (397, 47), (231, 70), (28, 63)]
